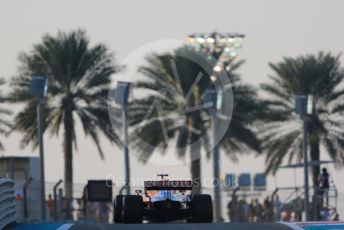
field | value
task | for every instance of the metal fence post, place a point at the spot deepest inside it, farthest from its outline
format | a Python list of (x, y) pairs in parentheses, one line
[(60, 204), (27, 182), (55, 199)]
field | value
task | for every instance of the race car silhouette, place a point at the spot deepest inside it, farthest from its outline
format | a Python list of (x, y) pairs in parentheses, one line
[(163, 201)]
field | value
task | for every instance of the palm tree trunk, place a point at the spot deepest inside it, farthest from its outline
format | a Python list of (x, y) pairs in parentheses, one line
[(68, 163), (315, 150), (196, 165), (315, 156), (196, 176)]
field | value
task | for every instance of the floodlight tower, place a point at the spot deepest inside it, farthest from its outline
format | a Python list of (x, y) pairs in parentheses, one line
[(222, 46)]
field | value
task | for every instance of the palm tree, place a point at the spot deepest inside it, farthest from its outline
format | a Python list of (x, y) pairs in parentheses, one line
[(321, 76), (165, 120), (79, 78), (5, 124)]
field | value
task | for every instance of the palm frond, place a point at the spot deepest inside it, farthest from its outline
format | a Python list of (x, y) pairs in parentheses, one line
[(320, 75)]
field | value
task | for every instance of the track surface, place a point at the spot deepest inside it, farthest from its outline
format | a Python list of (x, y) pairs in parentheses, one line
[(222, 226), (181, 226), (172, 226)]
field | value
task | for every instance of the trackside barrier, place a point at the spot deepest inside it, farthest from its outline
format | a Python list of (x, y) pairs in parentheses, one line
[(7, 202)]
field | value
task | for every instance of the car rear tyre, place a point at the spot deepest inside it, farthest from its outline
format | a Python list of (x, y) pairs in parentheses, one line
[(132, 209), (118, 208), (202, 208)]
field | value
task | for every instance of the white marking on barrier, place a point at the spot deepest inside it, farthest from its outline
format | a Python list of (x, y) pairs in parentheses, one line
[(292, 225), (65, 227)]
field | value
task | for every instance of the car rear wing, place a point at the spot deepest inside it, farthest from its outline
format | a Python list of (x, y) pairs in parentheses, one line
[(168, 185)]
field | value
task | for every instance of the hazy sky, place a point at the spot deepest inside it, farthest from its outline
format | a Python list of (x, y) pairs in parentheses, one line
[(273, 28)]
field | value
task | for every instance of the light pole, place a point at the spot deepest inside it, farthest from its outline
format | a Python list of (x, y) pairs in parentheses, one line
[(304, 107), (223, 47), (211, 96), (39, 87), (121, 97)]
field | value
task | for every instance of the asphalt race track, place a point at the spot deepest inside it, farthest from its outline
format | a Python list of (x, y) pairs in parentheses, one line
[(220, 226), (172, 226)]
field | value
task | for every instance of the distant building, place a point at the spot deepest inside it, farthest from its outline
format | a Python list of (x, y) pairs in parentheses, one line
[(19, 167)]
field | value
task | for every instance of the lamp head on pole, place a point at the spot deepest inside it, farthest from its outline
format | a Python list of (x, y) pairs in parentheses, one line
[(122, 92), (304, 105), (310, 104), (39, 86)]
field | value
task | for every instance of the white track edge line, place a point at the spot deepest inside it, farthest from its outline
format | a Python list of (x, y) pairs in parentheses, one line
[(292, 225), (65, 227)]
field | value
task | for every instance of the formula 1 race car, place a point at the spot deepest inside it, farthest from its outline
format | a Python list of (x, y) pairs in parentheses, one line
[(163, 201)]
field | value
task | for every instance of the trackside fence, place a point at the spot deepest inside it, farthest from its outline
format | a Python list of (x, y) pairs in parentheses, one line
[(7, 202)]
